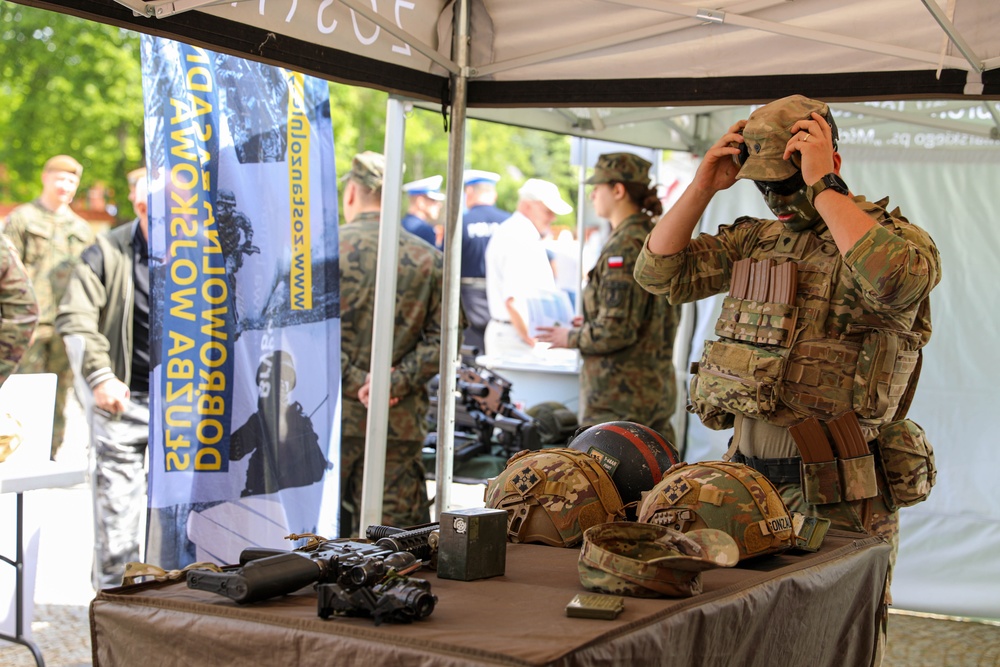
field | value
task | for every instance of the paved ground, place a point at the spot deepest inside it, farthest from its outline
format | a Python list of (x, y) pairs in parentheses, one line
[(61, 626)]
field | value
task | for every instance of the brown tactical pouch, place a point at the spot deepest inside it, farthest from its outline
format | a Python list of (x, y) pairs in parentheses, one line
[(857, 477), (821, 483), (735, 377), (906, 460)]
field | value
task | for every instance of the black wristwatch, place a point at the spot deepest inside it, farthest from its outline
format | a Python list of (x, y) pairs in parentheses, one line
[(831, 181)]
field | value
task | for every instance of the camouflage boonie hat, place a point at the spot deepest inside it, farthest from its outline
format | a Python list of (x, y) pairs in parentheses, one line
[(552, 495), (767, 132), (647, 560), (620, 168), (368, 168), (730, 497)]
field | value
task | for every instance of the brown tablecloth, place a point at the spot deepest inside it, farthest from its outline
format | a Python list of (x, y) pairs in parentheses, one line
[(792, 609)]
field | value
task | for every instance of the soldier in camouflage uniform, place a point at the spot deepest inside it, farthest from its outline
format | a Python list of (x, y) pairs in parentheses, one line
[(626, 334), (415, 353), (18, 310), (848, 332), (49, 238)]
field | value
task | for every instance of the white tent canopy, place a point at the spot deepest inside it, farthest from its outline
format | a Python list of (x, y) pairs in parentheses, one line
[(911, 82)]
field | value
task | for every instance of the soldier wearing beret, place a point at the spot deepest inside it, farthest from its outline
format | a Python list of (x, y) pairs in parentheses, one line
[(416, 351), (827, 311), (49, 238), (626, 334)]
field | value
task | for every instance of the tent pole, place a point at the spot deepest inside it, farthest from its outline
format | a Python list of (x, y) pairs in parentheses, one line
[(450, 299), (385, 313)]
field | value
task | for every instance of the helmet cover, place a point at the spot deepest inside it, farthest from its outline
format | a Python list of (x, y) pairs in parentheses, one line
[(552, 495), (731, 497)]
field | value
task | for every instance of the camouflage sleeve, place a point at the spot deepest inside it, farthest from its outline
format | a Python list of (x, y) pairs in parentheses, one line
[(18, 310), (896, 266), (420, 363), (79, 314), (620, 311), (351, 377), (13, 229), (702, 269)]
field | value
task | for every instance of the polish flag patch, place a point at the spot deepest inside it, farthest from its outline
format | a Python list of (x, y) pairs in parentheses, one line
[(616, 262)]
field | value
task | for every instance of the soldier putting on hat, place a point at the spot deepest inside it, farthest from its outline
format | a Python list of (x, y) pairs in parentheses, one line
[(828, 303), (626, 334)]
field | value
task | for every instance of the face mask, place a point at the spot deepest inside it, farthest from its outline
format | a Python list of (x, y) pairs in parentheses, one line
[(794, 210)]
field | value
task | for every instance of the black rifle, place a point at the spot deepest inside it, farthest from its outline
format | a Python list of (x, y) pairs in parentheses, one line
[(486, 421), (377, 566)]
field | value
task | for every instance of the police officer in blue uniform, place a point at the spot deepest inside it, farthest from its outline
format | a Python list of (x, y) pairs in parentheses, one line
[(480, 220), (425, 206)]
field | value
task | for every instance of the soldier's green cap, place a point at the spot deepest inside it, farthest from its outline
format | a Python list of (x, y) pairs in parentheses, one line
[(767, 132), (620, 168), (649, 560), (368, 168)]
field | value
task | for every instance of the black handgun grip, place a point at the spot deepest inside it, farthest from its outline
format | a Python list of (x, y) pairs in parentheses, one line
[(259, 579)]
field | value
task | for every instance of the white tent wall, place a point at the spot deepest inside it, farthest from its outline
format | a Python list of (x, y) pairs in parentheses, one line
[(948, 544)]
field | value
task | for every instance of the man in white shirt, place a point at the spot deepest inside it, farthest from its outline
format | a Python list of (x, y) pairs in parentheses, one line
[(517, 267)]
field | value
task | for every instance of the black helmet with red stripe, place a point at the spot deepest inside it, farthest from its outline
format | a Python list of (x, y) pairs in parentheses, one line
[(634, 455)]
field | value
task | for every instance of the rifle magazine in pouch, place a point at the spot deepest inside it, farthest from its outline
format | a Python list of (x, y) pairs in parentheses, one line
[(857, 477), (821, 483), (906, 460), (736, 377)]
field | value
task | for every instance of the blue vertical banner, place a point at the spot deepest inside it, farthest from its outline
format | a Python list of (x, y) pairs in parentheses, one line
[(245, 305)]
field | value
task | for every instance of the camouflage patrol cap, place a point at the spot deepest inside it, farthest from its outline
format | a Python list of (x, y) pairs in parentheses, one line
[(552, 495), (730, 497), (647, 560), (620, 168), (767, 132), (368, 168), (63, 163)]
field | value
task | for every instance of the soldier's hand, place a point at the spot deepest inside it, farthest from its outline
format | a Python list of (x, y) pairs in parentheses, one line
[(556, 336), (112, 396), (720, 165), (364, 393)]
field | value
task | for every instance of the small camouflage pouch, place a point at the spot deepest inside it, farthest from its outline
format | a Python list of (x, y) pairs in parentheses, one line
[(857, 477), (906, 460), (821, 483)]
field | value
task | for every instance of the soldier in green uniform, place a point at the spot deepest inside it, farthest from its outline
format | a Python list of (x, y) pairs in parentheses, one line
[(626, 334), (49, 238), (415, 351), (828, 304), (18, 310)]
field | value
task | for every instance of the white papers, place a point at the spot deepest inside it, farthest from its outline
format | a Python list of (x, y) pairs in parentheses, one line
[(549, 309)]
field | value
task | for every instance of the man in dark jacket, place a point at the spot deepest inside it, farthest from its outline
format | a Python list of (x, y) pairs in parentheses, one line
[(107, 306)]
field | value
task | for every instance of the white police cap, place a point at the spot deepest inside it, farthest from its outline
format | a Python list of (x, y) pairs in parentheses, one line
[(474, 176), (429, 187)]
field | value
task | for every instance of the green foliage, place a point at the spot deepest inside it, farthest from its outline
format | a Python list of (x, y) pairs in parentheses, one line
[(68, 86), (515, 153), (73, 86)]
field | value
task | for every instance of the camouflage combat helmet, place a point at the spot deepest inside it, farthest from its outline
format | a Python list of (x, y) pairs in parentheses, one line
[(731, 497), (634, 455), (552, 495), (648, 560)]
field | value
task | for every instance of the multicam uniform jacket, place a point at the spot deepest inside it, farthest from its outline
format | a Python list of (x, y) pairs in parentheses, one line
[(627, 339), (850, 339), (50, 245), (18, 309), (417, 338)]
